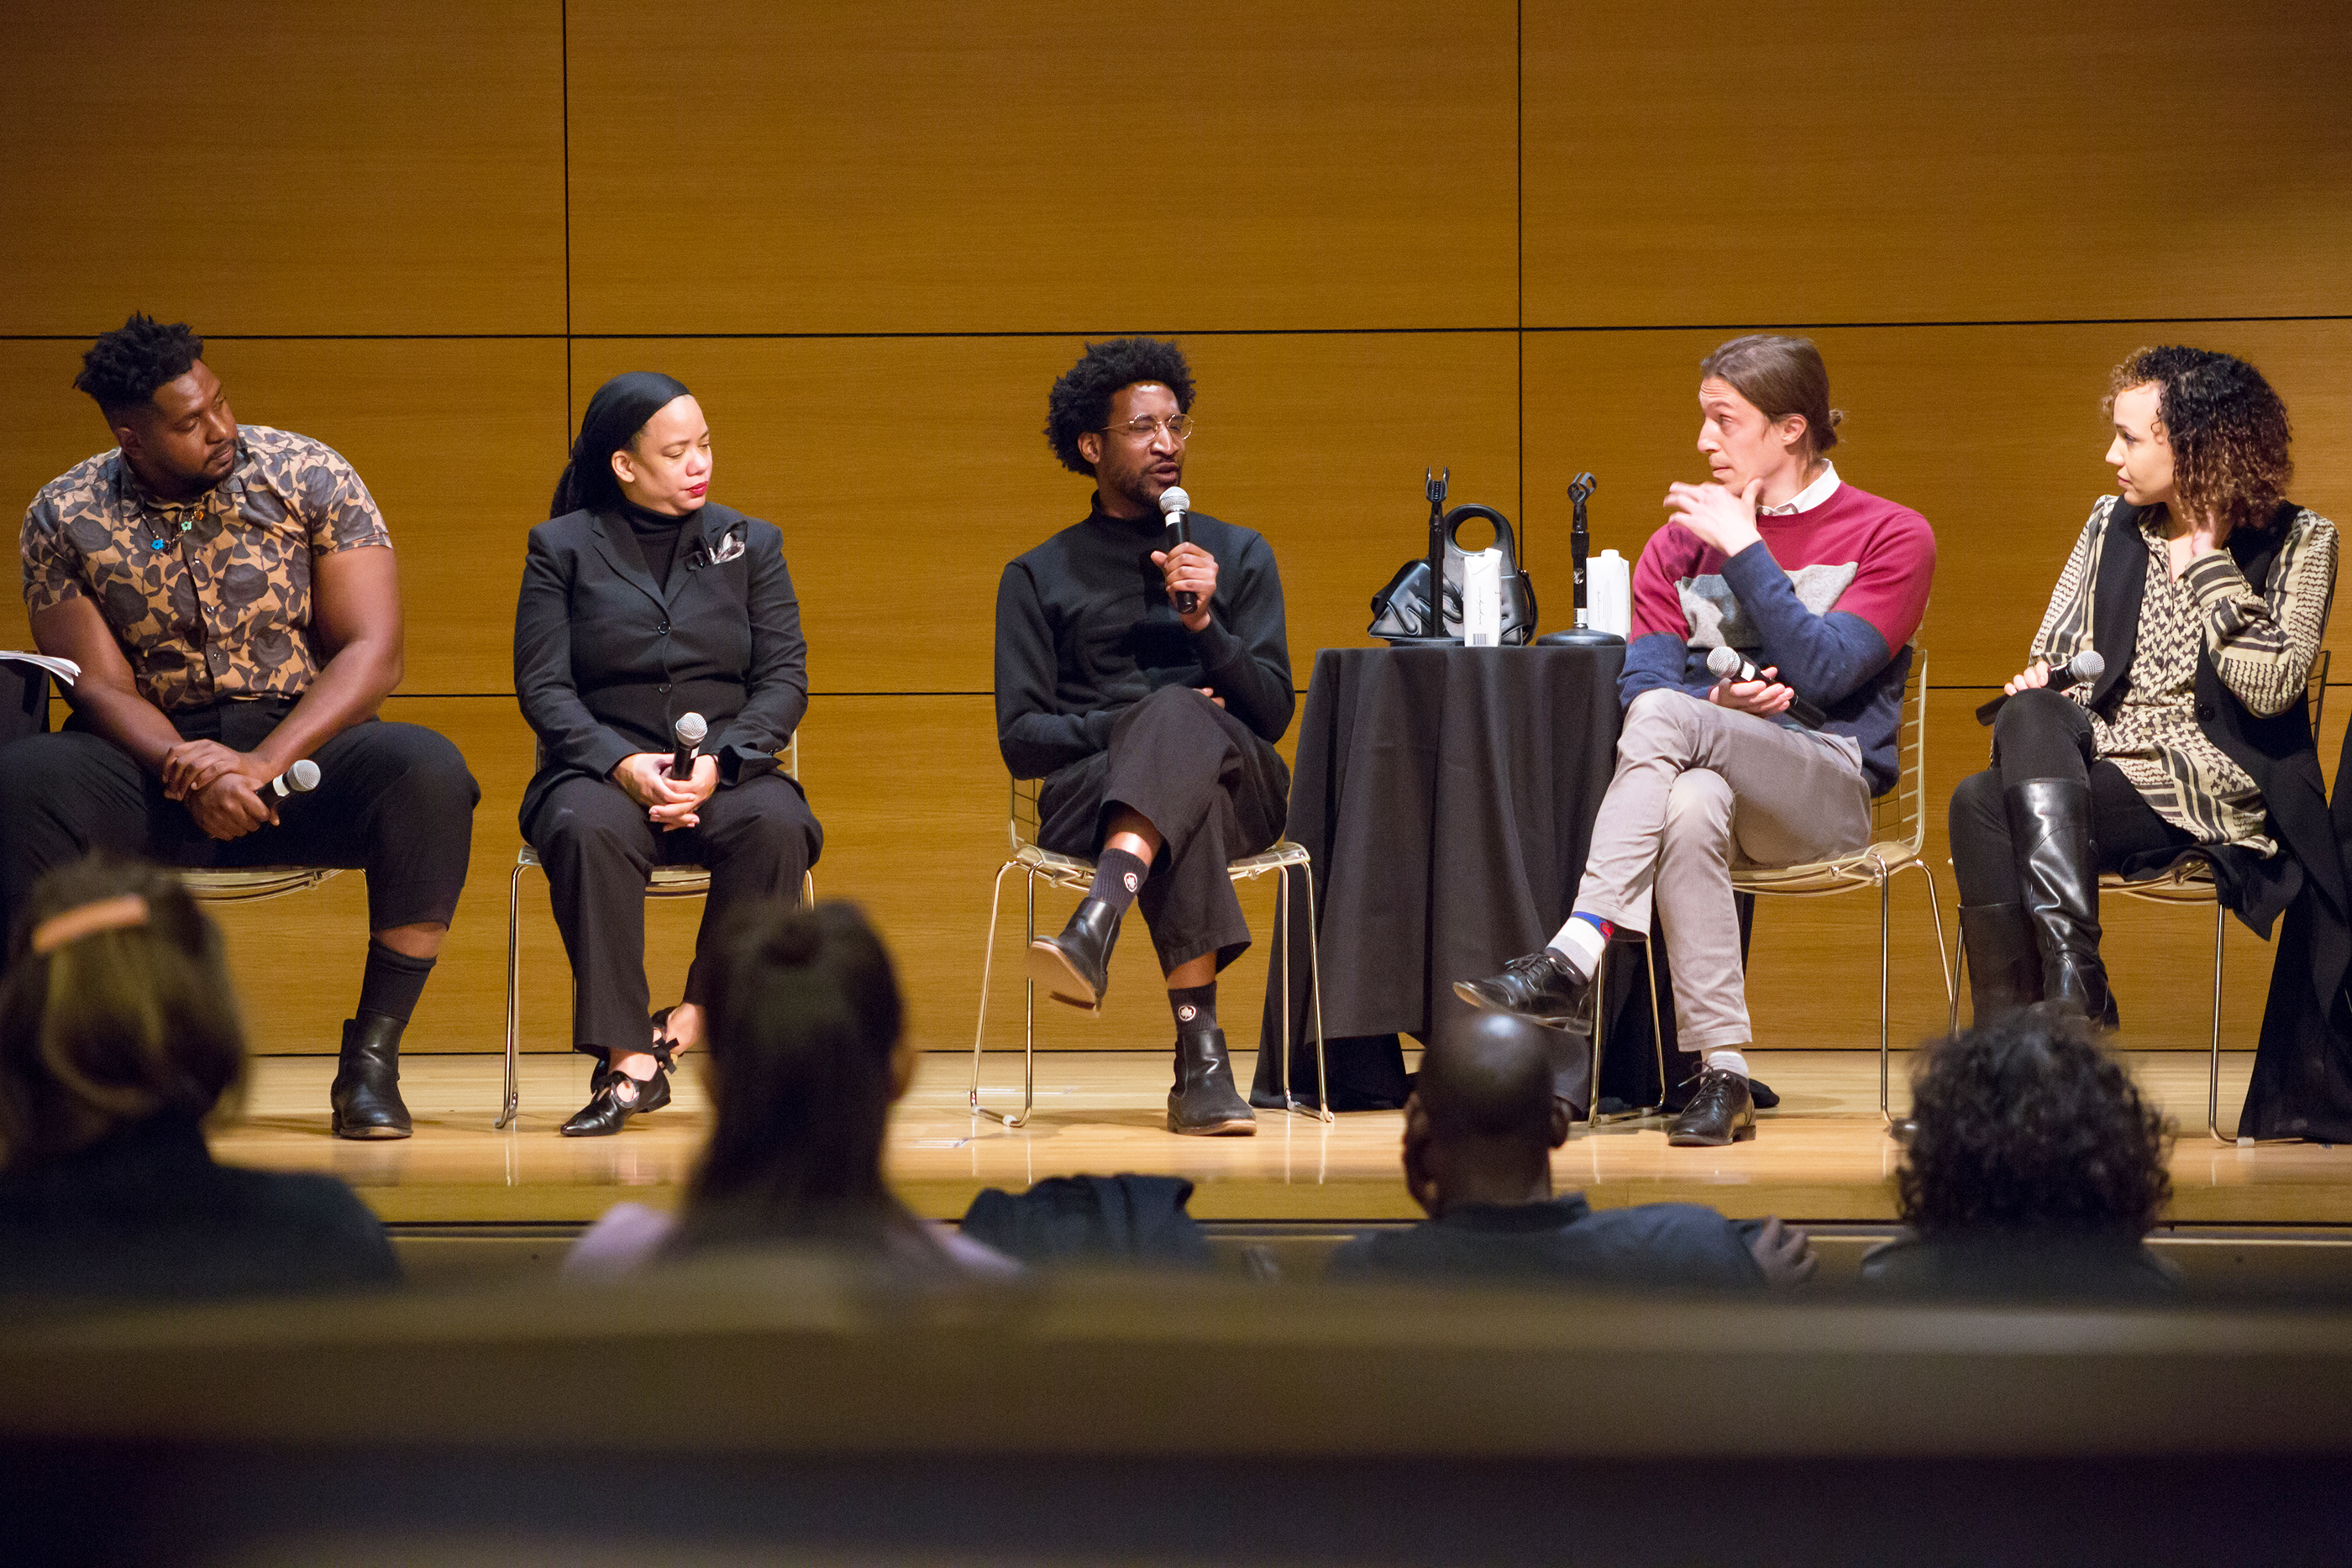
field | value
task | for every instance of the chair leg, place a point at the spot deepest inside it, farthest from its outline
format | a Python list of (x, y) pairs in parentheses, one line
[(1592, 1116), (1886, 895), (987, 964), (1282, 951), (1315, 989), (513, 1098), (2213, 1070)]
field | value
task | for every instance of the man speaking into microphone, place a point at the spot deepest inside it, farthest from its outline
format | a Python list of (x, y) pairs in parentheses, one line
[(1813, 589), (1143, 673)]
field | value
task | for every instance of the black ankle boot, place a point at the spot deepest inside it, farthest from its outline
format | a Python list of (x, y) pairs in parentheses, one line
[(1074, 967), (2058, 870), (366, 1092), (1204, 1100), (2004, 965)]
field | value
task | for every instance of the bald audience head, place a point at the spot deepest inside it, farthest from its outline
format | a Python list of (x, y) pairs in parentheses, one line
[(1483, 1119)]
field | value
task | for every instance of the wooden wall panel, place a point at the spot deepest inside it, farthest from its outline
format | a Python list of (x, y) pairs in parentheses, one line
[(906, 471), (1010, 167), (2012, 162), (1994, 433), (284, 166), (458, 440)]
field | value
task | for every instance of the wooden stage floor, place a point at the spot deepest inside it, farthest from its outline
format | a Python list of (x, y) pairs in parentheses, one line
[(1823, 1156)]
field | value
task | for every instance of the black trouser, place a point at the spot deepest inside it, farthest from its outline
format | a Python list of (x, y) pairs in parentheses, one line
[(757, 840), (2041, 734), (394, 800), (1211, 786)]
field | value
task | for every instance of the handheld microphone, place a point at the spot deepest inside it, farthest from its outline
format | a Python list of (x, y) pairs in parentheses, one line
[(298, 780), (1173, 505), (2087, 665), (691, 728), (1729, 665)]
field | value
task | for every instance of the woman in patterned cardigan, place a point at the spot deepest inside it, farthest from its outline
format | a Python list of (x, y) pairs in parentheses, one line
[(2205, 592)]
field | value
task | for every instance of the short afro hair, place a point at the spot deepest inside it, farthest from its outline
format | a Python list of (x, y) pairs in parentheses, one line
[(2026, 1124), (123, 368), (2228, 431), (1081, 399)]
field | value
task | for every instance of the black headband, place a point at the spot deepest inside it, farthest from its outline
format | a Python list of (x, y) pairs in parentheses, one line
[(616, 414)]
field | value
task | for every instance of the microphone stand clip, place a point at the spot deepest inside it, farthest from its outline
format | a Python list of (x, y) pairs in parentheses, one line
[(1579, 536)]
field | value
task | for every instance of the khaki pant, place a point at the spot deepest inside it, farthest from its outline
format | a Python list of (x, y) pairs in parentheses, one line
[(1696, 786)]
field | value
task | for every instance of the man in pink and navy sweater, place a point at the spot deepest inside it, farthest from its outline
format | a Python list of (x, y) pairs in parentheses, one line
[(1821, 586)]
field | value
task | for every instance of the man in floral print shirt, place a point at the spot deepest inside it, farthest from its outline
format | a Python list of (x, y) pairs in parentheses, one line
[(230, 595)]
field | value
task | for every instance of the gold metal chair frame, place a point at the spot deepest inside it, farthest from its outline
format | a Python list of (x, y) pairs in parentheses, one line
[(1074, 874), (1899, 828), (667, 882), (2186, 884)]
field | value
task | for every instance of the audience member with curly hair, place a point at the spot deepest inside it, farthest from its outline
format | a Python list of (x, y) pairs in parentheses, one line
[(806, 1052), (119, 1039), (2033, 1167), (2205, 591)]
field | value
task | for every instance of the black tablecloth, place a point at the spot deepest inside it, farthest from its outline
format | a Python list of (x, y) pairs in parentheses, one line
[(1447, 796)]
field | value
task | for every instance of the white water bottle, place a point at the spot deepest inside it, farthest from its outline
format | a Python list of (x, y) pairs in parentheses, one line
[(1482, 598), (1609, 593)]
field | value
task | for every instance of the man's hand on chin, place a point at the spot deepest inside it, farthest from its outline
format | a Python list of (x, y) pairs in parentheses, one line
[(1719, 518)]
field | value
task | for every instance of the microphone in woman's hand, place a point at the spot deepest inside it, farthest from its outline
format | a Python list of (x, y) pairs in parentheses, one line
[(691, 728), (1730, 664), (2086, 665)]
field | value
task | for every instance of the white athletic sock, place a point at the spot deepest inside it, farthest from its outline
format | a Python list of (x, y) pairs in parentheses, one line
[(1727, 1061), (1579, 945)]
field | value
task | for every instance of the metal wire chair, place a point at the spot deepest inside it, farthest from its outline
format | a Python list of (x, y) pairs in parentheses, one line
[(1899, 828), (1074, 874)]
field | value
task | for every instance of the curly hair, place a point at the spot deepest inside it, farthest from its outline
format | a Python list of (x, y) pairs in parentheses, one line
[(122, 368), (1080, 401), (2026, 1124), (2228, 431)]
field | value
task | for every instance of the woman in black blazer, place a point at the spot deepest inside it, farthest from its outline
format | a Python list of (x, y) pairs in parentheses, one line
[(643, 602)]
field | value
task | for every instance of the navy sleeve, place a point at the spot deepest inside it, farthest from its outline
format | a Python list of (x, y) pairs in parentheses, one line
[(1656, 662), (1824, 657)]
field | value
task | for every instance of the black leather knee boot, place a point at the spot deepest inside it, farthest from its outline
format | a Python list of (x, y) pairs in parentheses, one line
[(2058, 871), (2004, 965)]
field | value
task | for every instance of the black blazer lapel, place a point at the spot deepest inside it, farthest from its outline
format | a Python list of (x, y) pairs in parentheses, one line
[(2121, 584), (623, 557)]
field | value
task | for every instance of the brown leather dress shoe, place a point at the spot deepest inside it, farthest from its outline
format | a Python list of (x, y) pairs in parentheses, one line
[(1720, 1112)]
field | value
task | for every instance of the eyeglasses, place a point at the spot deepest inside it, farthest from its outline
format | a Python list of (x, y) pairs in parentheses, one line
[(1179, 428)]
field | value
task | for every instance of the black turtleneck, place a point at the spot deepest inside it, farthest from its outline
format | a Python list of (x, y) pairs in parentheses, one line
[(1084, 628), (657, 534)]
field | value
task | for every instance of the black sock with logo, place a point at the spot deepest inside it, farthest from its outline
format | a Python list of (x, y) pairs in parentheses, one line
[(1195, 1007), (1119, 876)]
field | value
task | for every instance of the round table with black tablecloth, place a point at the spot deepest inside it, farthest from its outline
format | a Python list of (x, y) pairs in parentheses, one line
[(1447, 796)]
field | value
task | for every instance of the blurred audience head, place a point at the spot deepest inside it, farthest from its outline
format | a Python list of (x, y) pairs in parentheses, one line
[(116, 1009), (1482, 1121), (806, 1056), (2026, 1124)]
